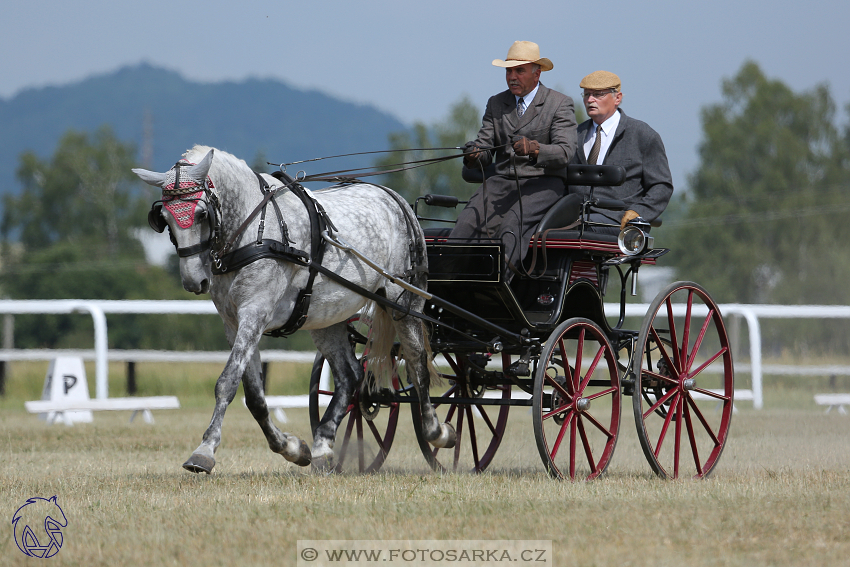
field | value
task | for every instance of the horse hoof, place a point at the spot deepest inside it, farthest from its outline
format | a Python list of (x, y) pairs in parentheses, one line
[(324, 464), (304, 457), (198, 463), (447, 438)]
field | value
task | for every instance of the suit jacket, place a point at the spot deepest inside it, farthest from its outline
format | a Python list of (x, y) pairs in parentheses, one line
[(638, 148), (550, 120)]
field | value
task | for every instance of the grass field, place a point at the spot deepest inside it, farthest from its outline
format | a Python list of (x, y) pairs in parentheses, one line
[(780, 495)]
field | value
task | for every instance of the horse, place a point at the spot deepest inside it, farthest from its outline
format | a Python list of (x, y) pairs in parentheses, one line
[(214, 204)]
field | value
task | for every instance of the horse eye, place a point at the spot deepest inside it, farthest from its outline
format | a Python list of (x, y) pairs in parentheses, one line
[(202, 214)]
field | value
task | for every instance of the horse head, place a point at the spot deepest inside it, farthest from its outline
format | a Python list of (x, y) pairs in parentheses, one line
[(189, 209)]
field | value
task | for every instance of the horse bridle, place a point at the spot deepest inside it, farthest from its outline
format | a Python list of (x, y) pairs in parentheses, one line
[(213, 210)]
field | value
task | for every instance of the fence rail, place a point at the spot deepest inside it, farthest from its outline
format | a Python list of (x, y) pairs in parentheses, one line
[(102, 355)]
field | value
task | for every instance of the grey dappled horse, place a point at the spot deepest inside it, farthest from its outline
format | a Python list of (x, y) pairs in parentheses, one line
[(261, 296)]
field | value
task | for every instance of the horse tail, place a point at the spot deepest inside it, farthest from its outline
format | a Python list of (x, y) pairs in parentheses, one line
[(383, 353), (379, 346)]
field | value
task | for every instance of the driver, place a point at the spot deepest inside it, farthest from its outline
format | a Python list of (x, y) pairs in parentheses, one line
[(529, 134)]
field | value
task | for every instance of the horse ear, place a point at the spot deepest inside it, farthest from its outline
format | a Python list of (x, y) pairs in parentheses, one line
[(151, 177), (199, 171)]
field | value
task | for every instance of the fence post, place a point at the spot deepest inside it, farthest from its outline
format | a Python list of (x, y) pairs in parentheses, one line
[(131, 378)]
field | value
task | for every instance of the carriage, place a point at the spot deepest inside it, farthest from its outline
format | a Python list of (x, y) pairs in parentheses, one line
[(540, 339), (544, 341)]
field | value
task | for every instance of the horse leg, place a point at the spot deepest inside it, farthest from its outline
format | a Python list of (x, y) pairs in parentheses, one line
[(244, 347), (282, 443), (333, 343), (413, 343)]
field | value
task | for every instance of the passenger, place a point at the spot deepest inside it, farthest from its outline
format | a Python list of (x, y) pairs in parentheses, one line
[(610, 137), (529, 134)]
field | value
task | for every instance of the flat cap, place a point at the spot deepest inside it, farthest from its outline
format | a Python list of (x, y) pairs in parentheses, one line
[(599, 80)]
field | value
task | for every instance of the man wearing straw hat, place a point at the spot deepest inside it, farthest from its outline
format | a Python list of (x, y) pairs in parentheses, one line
[(610, 137), (529, 135)]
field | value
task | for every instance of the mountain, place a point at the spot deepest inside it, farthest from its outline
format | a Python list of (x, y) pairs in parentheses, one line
[(249, 118)]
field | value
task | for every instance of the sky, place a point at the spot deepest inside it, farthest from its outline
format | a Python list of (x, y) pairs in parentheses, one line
[(415, 59)]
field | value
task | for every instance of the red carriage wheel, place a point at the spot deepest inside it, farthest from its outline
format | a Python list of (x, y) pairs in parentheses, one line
[(684, 383), (367, 430), (479, 427), (576, 406)]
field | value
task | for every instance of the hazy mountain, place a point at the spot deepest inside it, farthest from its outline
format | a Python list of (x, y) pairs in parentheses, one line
[(163, 114)]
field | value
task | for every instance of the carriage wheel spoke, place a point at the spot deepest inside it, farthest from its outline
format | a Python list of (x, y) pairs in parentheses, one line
[(561, 432), (686, 332), (705, 364), (568, 373), (703, 421), (602, 393), (361, 465), (666, 424), (657, 376), (692, 437), (473, 440), (598, 425), (700, 337), (557, 386), (673, 341), (486, 419), (592, 368), (671, 364), (711, 394), (579, 351), (573, 446), (459, 431), (377, 435), (449, 394), (660, 401), (678, 440), (346, 438), (586, 443), (556, 411)]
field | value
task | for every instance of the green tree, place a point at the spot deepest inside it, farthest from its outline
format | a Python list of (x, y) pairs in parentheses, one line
[(460, 126), (71, 235), (764, 213), (84, 195)]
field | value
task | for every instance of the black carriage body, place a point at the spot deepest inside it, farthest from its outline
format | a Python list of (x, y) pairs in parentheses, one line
[(570, 280)]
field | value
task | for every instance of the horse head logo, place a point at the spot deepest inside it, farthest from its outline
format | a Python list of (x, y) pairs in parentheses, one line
[(38, 527)]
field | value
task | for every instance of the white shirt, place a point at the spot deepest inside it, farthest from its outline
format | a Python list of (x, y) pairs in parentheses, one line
[(608, 129), (526, 100)]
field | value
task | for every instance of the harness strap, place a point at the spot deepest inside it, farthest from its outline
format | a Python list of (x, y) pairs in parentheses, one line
[(194, 249), (318, 222), (267, 248)]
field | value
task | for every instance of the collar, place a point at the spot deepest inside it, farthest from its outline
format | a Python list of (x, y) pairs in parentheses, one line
[(527, 98)]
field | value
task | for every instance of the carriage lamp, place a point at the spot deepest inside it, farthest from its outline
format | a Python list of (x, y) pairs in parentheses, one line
[(634, 239)]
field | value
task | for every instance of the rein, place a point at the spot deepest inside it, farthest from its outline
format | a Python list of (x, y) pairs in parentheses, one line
[(341, 175)]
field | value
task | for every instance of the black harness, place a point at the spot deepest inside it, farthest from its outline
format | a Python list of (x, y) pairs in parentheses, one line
[(226, 260)]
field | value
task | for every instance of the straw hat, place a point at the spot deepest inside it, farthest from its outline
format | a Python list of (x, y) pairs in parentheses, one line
[(600, 81), (522, 52)]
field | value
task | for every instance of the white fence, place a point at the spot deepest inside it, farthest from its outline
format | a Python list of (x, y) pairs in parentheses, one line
[(101, 354)]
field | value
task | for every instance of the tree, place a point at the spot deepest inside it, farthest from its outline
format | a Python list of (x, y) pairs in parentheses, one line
[(764, 212), (460, 126), (763, 220), (70, 235)]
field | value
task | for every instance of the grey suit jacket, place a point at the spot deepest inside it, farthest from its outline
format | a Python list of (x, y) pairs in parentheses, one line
[(550, 120), (638, 148)]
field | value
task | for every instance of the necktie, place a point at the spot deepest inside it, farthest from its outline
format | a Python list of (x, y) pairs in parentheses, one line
[(520, 106), (594, 151)]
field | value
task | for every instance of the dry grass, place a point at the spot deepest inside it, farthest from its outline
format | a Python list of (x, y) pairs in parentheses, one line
[(780, 496)]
